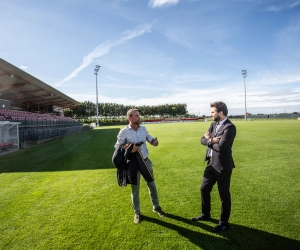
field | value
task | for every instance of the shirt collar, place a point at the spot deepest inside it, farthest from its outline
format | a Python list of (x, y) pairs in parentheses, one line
[(129, 126), (221, 122)]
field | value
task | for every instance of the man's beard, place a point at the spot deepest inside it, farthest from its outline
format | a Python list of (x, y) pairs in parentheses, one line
[(137, 123), (217, 118)]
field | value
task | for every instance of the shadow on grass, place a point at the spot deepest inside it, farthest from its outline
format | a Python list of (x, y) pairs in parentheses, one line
[(87, 150), (236, 237)]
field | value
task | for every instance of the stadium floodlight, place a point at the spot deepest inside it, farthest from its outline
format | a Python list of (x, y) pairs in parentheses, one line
[(244, 73), (96, 73)]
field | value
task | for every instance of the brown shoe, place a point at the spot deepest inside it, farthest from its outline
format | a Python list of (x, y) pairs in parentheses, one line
[(137, 218)]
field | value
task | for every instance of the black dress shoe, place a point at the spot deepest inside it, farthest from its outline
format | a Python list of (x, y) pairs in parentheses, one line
[(201, 217), (219, 228)]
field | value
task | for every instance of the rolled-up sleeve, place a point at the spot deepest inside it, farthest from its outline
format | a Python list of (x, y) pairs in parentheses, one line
[(149, 138), (121, 138)]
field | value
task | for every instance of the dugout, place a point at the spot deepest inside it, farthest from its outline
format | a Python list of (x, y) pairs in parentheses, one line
[(9, 136)]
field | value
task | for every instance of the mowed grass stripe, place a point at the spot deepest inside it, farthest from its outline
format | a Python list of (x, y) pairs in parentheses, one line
[(63, 194)]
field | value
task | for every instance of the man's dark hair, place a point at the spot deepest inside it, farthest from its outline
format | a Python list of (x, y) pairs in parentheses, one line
[(220, 106)]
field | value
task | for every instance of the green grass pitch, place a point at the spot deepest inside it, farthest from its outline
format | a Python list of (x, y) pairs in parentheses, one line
[(63, 194)]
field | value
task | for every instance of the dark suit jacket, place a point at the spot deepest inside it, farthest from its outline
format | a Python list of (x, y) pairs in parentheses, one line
[(221, 152)]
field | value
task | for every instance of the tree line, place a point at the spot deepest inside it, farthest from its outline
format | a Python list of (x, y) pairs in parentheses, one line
[(112, 111)]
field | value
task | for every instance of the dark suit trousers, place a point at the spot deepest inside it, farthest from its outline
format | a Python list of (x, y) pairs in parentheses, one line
[(211, 176)]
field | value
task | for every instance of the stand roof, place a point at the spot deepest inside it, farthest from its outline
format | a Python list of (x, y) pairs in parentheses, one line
[(24, 90)]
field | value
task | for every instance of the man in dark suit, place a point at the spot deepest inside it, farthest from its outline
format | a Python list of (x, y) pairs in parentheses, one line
[(218, 139)]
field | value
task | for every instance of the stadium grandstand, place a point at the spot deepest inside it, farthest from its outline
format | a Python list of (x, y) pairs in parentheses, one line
[(30, 110)]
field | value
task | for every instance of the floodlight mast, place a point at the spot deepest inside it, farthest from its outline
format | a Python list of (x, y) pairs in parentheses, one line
[(96, 73), (244, 73)]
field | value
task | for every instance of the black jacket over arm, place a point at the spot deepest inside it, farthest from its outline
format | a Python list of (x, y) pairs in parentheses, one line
[(128, 164), (221, 152)]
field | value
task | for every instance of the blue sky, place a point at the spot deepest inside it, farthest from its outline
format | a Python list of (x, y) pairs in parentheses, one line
[(155, 52)]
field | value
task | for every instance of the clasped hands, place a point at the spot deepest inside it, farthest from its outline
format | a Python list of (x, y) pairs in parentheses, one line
[(214, 140)]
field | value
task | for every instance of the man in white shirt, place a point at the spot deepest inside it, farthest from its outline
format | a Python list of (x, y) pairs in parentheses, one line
[(134, 133)]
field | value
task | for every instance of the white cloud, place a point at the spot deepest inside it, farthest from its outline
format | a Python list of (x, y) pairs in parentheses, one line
[(276, 80), (23, 67), (104, 48), (161, 3), (283, 7), (197, 100), (261, 95)]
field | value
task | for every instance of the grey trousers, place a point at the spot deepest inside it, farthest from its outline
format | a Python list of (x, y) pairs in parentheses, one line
[(135, 191)]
